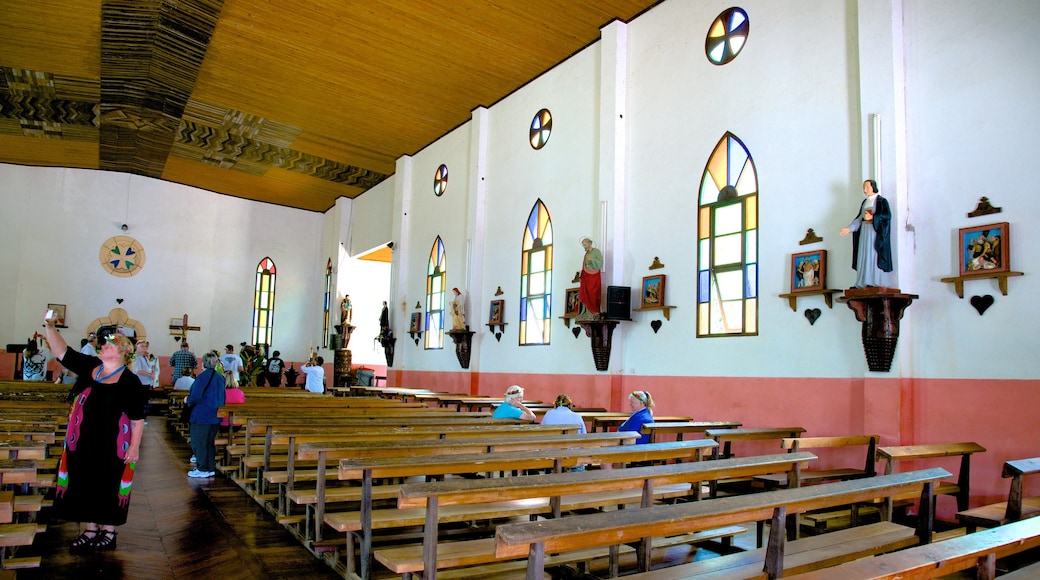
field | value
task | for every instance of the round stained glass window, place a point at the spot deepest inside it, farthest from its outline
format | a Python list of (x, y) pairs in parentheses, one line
[(541, 127), (727, 36), (440, 180)]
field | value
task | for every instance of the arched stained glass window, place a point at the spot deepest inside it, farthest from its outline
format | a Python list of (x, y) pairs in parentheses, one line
[(727, 36), (727, 233), (536, 278), (435, 276), (327, 305), (263, 302)]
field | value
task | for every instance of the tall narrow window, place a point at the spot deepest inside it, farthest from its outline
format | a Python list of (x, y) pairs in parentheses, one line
[(727, 233), (435, 274), (263, 302), (536, 277), (327, 305)]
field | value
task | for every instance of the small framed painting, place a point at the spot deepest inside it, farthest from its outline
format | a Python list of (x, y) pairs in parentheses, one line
[(573, 302), (653, 291), (416, 325), (984, 249), (59, 313), (495, 315), (809, 271)]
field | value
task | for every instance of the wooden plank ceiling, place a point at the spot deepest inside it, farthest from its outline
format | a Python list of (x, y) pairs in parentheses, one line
[(291, 103)]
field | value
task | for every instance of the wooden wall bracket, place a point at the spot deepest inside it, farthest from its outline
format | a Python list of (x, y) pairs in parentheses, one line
[(879, 309)]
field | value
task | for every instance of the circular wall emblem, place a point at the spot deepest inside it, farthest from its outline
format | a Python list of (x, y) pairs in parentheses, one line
[(122, 256)]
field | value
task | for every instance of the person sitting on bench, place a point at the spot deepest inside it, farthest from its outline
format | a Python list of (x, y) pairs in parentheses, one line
[(642, 413), (513, 406)]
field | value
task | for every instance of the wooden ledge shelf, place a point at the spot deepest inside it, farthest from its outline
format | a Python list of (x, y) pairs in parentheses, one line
[(828, 297), (958, 281), (667, 310)]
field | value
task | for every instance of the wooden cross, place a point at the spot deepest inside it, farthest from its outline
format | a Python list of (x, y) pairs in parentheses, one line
[(182, 328)]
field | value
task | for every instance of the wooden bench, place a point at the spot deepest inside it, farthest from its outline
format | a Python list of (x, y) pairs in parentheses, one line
[(726, 437), (536, 539), (978, 551), (563, 492), (322, 452), (285, 480), (367, 471), (1015, 508), (959, 489)]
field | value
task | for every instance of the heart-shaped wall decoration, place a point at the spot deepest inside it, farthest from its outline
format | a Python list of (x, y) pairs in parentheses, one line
[(656, 325), (982, 303), (576, 331), (119, 300), (812, 314), (498, 336)]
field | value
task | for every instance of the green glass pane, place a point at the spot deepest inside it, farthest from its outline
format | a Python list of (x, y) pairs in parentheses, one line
[(728, 250), (730, 285), (728, 219)]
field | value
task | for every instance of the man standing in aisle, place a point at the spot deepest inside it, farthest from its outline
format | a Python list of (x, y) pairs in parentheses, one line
[(183, 359)]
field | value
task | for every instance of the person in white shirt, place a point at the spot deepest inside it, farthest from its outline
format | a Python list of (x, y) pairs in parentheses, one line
[(232, 362), (88, 345), (142, 367), (185, 381), (315, 375)]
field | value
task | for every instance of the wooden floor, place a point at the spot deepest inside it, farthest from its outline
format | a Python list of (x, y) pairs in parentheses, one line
[(180, 528)]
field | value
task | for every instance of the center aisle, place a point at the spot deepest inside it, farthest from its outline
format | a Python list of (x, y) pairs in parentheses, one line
[(180, 527)]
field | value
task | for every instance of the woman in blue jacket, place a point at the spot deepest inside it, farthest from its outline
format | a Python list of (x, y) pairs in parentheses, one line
[(206, 394), (641, 404)]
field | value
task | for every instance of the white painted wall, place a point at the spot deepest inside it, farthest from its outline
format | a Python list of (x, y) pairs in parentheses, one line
[(202, 250), (958, 114)]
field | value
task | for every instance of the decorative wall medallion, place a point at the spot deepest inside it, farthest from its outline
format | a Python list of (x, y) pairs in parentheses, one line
[(982, 303), (122, 256), (812, 314), (656, 325)]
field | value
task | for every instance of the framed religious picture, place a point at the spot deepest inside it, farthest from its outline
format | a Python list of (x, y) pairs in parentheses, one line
[(573, 302), (653, 291), (416, 325), (497, 311), (984, 249), (59, 313), (809, 271)]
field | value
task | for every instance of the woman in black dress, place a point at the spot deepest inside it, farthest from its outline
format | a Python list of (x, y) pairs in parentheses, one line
[(102, 440)]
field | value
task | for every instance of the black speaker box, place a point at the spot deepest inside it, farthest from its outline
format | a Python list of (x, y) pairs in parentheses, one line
[(619, 302)]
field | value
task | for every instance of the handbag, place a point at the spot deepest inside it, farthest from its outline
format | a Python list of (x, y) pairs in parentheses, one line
[(187, 409)]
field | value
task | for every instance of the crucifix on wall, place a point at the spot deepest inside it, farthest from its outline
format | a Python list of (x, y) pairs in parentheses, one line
[(179, 327)]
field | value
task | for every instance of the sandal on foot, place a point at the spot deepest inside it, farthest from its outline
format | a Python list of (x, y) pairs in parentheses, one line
[(82, 543), (104, 540)]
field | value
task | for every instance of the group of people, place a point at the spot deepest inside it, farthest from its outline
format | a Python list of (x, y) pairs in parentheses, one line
[(640, 403)]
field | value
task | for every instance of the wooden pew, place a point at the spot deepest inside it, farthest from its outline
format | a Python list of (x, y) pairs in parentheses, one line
[(563, 490), (978, 551), (726, 437), (682, 428), (536, 539), (1015, 508), (286, 479), (367, 471), (322, 452), (959, 489)]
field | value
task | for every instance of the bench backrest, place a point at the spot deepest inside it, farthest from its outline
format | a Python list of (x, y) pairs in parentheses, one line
[(870, 441), (382, 448), (616, 527), (892, 455), (517, 460), (463, 492), (1017, 469)]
